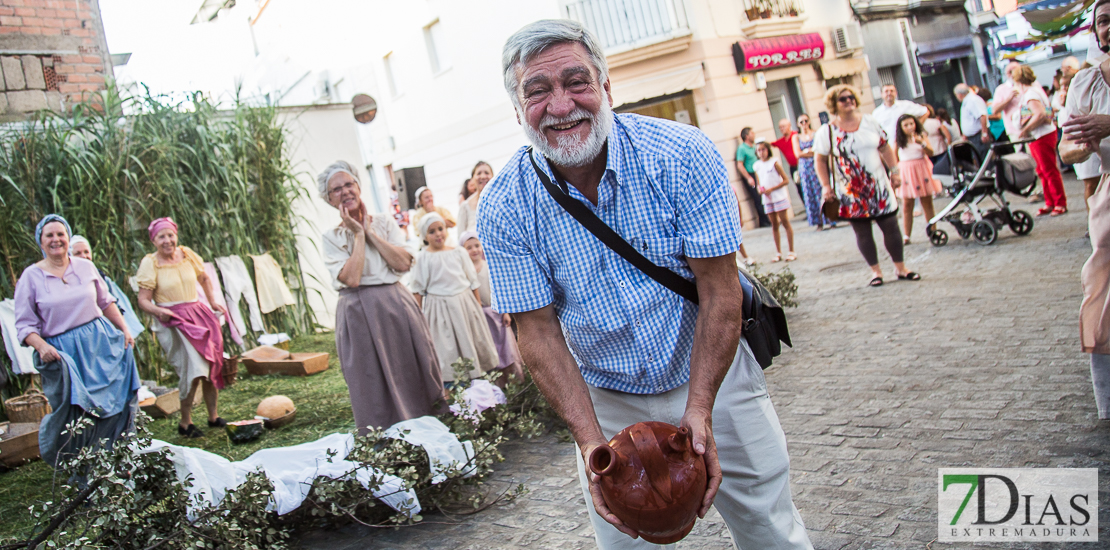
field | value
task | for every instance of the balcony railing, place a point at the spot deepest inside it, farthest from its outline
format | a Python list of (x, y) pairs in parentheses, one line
[(624, 25), (766, 9)]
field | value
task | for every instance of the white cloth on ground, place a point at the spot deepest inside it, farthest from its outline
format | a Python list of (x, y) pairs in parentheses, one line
[(237, 284), (290, 469), (22, 357), (445, 453), (272, 290), (273, 339), (481, 395)]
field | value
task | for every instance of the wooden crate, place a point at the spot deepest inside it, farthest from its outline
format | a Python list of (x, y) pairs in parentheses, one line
[(19, 443), (271, 360), (169, 404)]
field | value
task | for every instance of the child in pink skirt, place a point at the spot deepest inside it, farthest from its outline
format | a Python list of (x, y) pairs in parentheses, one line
[(772, 182), (916, 171)]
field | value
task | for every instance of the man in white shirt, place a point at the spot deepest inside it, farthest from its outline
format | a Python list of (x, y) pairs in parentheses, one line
[(892, 109), (973, 118)]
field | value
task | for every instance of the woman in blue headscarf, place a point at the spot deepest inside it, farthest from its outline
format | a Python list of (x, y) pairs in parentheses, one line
[(62, 310)]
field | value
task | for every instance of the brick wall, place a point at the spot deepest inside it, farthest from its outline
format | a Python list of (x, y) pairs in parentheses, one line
[(52, 54)]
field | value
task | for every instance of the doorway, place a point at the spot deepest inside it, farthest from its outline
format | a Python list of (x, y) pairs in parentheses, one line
[(784, 100), (938, 80)]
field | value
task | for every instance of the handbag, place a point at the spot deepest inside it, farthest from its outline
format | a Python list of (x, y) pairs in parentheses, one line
[(831, 207), (764, 321)]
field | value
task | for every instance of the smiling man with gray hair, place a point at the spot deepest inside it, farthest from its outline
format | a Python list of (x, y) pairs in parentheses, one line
[(608, 345)]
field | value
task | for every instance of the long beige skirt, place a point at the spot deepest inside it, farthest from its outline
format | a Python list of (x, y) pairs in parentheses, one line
[(181, 353), (459, 330), (385, 351)]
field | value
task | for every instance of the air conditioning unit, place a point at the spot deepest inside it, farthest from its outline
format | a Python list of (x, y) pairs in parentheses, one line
[(848, 37)]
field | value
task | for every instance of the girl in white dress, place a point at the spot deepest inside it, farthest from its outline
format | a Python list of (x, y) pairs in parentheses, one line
[(776, 198), (445, 286)]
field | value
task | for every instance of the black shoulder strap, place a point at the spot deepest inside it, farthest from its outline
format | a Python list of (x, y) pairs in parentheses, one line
[(610, 238)]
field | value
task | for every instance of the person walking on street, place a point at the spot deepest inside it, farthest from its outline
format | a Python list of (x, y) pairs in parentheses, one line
[(776, 199), (1087, 133), (811, 186), (892, 108), (606, 345), (857, 168), (916, 171), (973, 119), (785, 145), (1035, 122), (745, 160)]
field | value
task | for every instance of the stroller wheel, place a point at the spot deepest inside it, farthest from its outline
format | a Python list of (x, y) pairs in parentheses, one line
[(1021, 222), (984, 232), (938, 237)]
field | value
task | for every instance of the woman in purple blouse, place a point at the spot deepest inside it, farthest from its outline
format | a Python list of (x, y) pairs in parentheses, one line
[(62, 310)]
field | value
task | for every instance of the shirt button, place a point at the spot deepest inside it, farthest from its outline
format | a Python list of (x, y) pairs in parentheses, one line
[(622, 284), (651, 359), (638, 323)]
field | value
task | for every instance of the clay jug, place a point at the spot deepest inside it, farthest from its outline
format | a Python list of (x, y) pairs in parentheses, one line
[(652, 480)]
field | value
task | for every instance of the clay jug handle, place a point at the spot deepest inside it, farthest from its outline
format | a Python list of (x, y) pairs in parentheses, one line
[(602, 460), (651, 456)]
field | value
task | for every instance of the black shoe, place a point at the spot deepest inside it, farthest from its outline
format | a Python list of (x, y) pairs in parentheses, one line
[(218, 423), (190, 432)]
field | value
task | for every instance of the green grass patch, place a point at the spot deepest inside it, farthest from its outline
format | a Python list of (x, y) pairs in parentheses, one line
[(323, 407)]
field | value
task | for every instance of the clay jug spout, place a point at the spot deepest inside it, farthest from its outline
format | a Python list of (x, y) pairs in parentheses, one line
[(603, 460), (679, 441)]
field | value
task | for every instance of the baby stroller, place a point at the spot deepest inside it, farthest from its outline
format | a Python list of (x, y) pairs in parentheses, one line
[(979, 208)]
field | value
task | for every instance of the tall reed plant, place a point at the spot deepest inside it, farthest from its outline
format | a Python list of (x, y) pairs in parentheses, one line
[(112, 165)]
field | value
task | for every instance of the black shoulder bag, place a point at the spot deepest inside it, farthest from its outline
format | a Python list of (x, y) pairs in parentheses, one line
[(764, 323)]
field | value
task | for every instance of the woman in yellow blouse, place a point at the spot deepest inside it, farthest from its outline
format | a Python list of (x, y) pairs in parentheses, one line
[(188, 330)]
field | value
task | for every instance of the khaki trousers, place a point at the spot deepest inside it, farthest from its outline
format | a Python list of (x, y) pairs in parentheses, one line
[(754, 498)]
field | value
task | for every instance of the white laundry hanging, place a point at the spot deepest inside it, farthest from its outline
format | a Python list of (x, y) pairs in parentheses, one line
[(272, 290), (237, 284), (22, 357), (290, 469)]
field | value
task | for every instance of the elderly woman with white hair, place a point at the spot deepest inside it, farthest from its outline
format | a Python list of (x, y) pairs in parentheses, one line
[(383, 342), (80, 247)]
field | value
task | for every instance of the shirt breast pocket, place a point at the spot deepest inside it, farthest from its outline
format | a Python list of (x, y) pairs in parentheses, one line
[(662, 251)]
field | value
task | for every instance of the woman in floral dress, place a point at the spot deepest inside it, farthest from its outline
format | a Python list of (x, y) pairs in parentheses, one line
[(864, 172)]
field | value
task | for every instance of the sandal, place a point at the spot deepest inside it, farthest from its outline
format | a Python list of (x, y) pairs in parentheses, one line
[(877, 281), (905, 240), (791, 257), (191, 432), (910, 276), (1044, 211), (1059, 211), (777, 258)]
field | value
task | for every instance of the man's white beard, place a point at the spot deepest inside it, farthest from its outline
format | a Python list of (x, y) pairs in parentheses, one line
[(572, 151)]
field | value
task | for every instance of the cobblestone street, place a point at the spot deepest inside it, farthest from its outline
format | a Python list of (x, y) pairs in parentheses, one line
[(978, 364)]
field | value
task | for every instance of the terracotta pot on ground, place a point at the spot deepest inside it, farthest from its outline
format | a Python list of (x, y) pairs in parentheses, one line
[(652, 480)]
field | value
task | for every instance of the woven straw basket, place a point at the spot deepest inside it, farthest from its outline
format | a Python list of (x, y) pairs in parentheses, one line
[(29, 407)]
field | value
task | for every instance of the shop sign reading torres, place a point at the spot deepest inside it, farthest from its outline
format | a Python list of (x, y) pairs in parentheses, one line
[(779, 51)]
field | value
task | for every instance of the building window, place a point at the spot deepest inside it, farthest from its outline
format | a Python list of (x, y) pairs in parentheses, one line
[(437, 52), (391, 75)]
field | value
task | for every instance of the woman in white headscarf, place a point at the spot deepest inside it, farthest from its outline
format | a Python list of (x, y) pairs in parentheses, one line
[(382, 339), (79, 247), (426, 199)]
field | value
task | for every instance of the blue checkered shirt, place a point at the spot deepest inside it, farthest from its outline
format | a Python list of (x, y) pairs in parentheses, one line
[(665, 190)]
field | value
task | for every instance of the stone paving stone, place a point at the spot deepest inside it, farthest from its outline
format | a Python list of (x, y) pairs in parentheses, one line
[(977, 364)]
